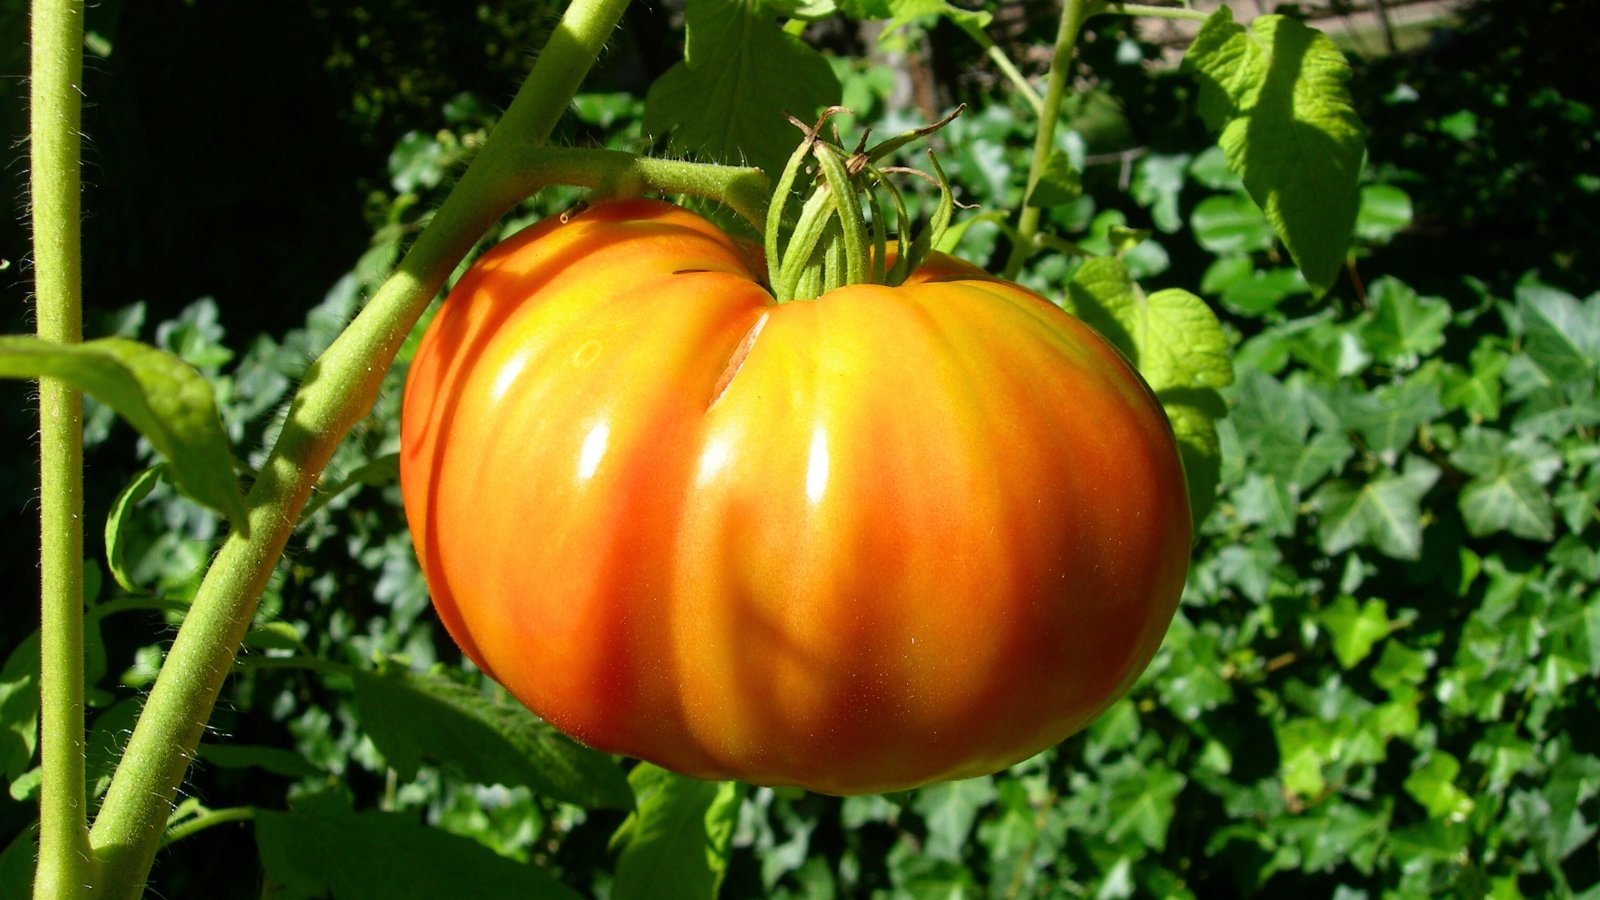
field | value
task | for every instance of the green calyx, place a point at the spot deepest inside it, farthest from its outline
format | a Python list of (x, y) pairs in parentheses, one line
[(836, 239)]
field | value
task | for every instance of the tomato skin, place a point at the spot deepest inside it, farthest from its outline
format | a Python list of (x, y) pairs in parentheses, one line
[(901, 535)]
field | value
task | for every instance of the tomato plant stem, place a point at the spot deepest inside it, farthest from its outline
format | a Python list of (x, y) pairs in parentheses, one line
[(1073, 14), (338, 391), (56, 112)]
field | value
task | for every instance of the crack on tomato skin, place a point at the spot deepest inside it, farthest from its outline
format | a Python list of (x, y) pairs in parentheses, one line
[(736, 361)]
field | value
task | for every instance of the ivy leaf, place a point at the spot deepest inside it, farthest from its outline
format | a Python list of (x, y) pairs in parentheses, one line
[(170, 403), (1433, 785), (386, 856), (950, 809), (1177, 344), (677, 837), (1563, 335), (1507, 492), (1385, 513), (1404, 326), (1276, 95), (413, 717), (1355, 628), (740, 74)]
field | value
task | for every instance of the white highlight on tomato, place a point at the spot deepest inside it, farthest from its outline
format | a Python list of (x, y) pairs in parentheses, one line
[(817, 465), (507, 376), (594, 447), (713, 458)]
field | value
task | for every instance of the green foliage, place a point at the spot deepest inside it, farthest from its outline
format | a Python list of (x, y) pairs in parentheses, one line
[(1382, 677), (1275, 93), (165, 398), (740, 73)]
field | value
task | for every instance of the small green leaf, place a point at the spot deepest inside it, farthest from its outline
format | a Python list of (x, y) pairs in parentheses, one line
[(675, 842), (1403, 327), (1276, 94), (1141, 803), (1230, 223), (413, 717), (164, 398), (1562, 334), (1060, 183), (386, 856), (1178, 346), (19, 708), (739, 75), (117, 524), (1385, 513), (1433, 785), (1385, 211), (1355, 629), (1507, 492), (950, 809)]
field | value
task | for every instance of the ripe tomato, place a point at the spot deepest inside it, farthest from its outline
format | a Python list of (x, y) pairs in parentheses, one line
[(859, 543)]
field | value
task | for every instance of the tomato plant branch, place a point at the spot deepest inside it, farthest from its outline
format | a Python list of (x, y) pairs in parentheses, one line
[(338, 391), (64, 869), (206, 820), (614, 173), (1073, 15)]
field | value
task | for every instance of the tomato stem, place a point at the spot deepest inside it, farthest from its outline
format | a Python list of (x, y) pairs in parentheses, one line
[(65, 865), (833, 243)]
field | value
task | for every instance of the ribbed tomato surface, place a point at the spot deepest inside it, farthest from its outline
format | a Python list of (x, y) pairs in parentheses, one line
[(859, 543)]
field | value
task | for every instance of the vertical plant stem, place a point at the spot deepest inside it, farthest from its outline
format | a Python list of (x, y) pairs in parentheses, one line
[(1073, 14), (56, 116), (338, 392)]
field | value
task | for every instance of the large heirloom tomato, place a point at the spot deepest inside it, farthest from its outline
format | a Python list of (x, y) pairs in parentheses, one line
[(860, 543)]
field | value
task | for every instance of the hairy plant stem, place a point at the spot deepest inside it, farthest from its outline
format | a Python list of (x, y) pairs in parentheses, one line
[(65, 868), (339, 390), (1073, 15)]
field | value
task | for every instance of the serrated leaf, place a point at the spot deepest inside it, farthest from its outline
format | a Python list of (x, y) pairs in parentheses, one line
[(1276, 94), (1384, 513), (117, 524), (163, 397), (1178, 346), (1355, 628), (675, 842), (740, 74), (386, 856), (412, 717)]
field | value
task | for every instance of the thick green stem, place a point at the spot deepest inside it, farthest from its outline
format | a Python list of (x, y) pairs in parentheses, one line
[(338, 391), (1073, 14), (64, 867)]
